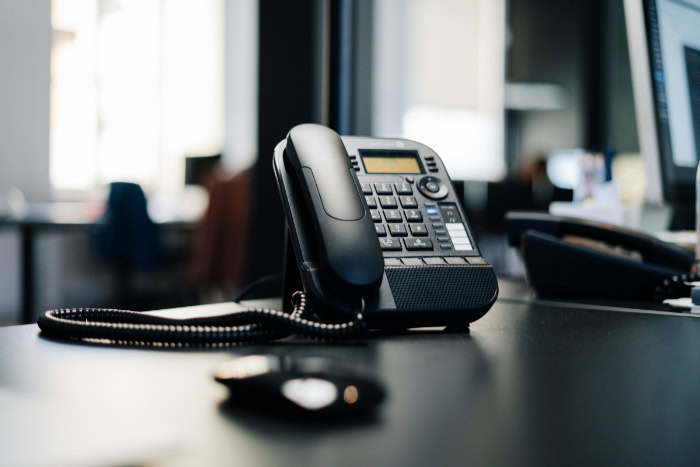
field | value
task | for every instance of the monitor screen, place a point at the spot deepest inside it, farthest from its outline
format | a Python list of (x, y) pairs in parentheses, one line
[(673, 50)]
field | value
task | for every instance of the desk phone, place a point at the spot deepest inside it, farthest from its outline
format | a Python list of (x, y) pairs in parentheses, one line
[(375, 224)]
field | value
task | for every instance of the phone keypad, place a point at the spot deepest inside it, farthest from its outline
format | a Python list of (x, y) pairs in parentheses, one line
[(408, 222)]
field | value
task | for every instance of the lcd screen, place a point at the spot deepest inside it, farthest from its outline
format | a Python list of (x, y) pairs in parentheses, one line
[(391, 164)]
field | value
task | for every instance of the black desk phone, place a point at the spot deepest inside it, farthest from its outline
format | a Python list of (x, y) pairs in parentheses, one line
[(375, 225), (378, 240), (576, 258)]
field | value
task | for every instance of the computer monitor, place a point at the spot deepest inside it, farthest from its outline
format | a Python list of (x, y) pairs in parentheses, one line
[(664, 45)]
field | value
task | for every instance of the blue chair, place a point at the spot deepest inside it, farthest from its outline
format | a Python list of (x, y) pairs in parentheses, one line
[(127, 238)]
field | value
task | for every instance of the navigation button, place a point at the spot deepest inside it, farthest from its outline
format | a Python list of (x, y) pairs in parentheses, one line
[(418, 244)]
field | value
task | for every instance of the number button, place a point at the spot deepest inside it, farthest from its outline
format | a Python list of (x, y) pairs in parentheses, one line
[(388, 201), (408, 202), (418, 230), (413, 215), (376, 217), (403, 188), (371, 201), (418, 244), (366, 188), (389, 243), (383, 188), (381, 231), (392, 215), (398, 230)]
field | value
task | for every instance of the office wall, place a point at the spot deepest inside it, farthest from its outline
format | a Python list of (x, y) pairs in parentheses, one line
[(25, 45)]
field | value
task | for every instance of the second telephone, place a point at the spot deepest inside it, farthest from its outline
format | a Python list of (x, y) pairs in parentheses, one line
[(375, 226)]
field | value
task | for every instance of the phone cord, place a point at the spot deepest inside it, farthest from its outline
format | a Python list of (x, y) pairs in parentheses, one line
[(242, 326)]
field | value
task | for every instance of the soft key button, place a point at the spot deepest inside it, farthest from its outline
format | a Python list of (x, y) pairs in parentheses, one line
[(412, 261), (458, 235), (434, 260)]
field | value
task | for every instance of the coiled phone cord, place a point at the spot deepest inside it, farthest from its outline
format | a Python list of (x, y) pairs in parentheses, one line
[(675, 286), (244, 326)]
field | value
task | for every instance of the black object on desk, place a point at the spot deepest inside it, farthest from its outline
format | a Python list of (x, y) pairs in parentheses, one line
[(567, 257), (299, 386)]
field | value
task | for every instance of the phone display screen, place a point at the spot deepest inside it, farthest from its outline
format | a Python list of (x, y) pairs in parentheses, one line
[(390, 162)]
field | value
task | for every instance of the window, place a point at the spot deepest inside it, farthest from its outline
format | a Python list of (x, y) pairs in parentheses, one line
[(136, 85), (439, 79)]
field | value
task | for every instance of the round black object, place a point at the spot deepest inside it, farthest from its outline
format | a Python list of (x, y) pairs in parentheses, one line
[(432, 187), (298, 386)]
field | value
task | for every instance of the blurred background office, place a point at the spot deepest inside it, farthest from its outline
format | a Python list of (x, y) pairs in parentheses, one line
[(184, 102)]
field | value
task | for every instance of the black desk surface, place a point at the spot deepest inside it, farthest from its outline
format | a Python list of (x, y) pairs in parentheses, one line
[(530, 385)]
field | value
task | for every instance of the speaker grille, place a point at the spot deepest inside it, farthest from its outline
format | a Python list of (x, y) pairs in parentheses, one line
[(442, 287)]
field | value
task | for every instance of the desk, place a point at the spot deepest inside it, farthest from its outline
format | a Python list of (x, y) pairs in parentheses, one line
[(59, 216), (530, 385)]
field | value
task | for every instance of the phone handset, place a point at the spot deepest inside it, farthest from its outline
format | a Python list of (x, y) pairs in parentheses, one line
[(350, 257)]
